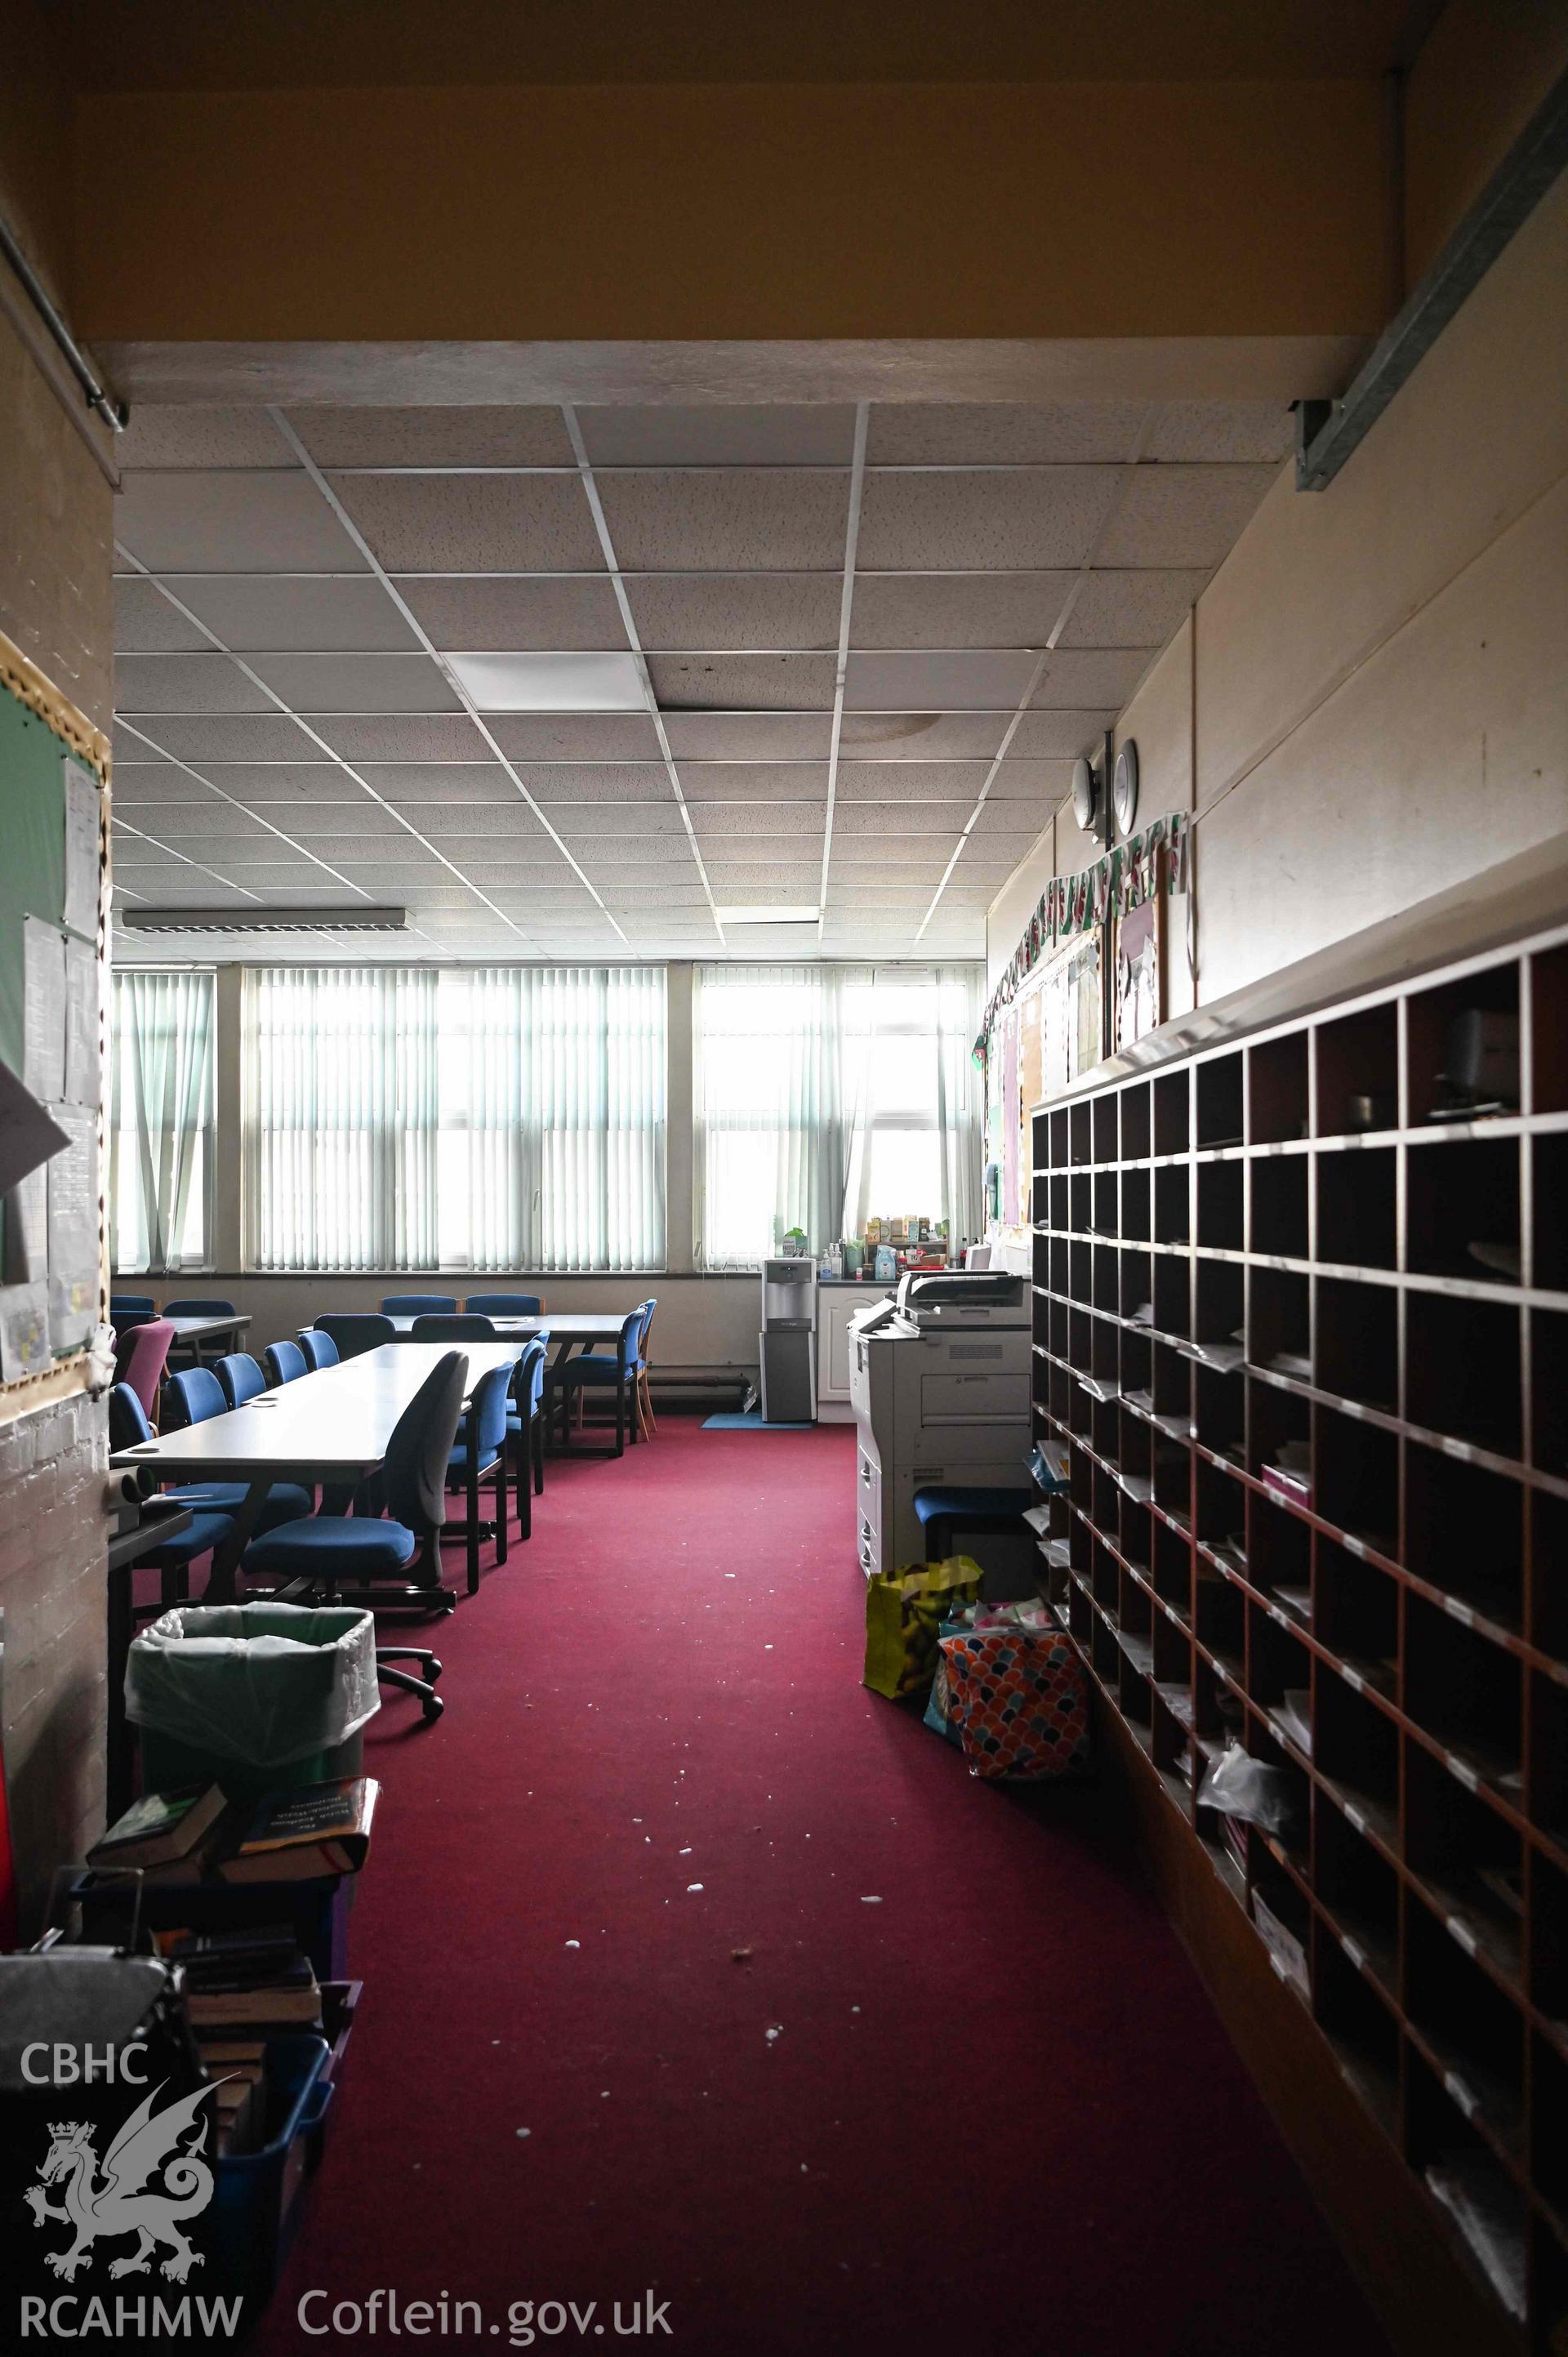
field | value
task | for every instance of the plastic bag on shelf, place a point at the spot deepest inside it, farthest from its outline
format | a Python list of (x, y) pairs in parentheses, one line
[(1240, 1786)]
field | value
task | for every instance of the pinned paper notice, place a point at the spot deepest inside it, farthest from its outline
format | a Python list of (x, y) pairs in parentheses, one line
[(82, 1080), (24, 1331), (43, 964), (83, 827), (73, 1227)]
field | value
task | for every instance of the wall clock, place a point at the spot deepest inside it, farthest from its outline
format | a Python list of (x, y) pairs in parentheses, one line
[(1124, 788), (1085, 795)]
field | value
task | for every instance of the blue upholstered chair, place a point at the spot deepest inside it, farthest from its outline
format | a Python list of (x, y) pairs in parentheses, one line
[(452, 1325), (131, 1310), (320, 1349), (478, 1456), (355, 1556), (285, 1363), (353, 1331), (198, 1306), (943, 1513), (597, 1371), (507, 1305), (213, 1503), (414, 1305), (642, 1396), (239, 1378), (525, 1429)]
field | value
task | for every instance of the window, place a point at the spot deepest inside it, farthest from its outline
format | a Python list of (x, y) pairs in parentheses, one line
[(485, 1119), (828, 1093), (161, 1086)]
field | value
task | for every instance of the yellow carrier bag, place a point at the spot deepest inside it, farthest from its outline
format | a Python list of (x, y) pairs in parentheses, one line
[(904, 1612)]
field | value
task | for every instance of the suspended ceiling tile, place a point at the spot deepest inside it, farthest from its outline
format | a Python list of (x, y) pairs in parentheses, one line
[(1002, 434), (185, 683), (967, 896), (967, 681), (853, 854), (615, 851), (597, 736), (534, 436), (721, 435), (314, 685), (474, 523), (1047, 781), (1182, 515), (575, 611), (281, 613), (146, 623), (722, 682), (1009, 520), (1009, 821), (599, 820), (928, 736), (1060, 735), (754, 782), (895, 822), (621, 896), (956, 609), (735, 609), (717, 821), (278, 782), (439, 737), (768, 879), (212, 522), (167, 434), (344, 823), (581, 781), (844, 898), (129, 748), (161, 782), (1077, 678), (734, 521), (417, 783), (1131, 609), (914, 782), (234, 737), (749, 735), (1227, 431)]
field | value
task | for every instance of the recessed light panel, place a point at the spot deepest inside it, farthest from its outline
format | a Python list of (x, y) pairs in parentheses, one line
[(550, 682)]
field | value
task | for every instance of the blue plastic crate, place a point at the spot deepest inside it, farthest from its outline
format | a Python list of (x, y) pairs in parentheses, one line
[(259, 2196)]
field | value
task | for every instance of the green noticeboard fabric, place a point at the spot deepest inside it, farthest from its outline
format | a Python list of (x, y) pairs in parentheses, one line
[(32, 849)]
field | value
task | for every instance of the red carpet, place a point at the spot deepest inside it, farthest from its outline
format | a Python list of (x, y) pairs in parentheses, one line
[(997, 2114)]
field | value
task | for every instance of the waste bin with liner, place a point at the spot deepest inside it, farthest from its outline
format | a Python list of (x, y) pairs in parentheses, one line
[(253, 1696)]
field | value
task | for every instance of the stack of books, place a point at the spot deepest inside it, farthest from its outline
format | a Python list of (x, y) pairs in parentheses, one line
[(195, 1834), (242, 1987)]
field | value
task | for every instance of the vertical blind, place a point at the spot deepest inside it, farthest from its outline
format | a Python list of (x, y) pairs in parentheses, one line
[(486, 1117), (160, 1142), (827, 1093)]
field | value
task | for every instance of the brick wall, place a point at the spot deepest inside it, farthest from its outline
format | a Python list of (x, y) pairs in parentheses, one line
[(53, 1484), (56, 602)]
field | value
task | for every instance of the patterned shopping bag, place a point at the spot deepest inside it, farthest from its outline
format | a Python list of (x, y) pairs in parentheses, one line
[(1018, 1699)]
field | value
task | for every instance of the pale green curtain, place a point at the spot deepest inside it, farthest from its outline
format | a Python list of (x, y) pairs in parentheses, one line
[(552, 1117), (824, 1094), (160, 1160), (341, 1117)]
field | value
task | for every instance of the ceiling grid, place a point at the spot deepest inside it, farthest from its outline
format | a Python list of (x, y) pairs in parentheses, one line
[(565, 683)]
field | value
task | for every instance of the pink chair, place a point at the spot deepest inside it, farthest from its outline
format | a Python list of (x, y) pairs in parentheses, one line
[(139, 1356)]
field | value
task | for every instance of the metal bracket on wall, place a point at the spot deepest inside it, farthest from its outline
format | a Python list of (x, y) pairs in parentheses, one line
[(1327, 432)]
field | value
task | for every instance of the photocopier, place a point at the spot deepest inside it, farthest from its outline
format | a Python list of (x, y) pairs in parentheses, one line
[(940, 1384)]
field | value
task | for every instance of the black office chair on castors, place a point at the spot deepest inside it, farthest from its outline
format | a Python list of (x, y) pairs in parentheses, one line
[(331, 1551)]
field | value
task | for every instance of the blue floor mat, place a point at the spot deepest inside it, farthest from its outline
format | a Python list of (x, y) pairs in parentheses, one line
[(752, 1423)]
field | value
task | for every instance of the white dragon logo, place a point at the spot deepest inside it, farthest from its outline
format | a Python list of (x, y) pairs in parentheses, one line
[(124, 2203)]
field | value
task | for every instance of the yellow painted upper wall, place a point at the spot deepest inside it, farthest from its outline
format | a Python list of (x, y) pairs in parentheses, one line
[(1482, 71), (975, 210)]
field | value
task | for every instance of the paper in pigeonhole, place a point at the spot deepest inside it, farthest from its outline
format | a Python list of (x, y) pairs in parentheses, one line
[(73, 1227), (24, 1347), (82, 1080), (43, 1019), (83, 822)]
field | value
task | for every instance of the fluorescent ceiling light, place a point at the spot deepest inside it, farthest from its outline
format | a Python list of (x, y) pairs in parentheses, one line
[(359, 919), (550, 682), (769, 916)]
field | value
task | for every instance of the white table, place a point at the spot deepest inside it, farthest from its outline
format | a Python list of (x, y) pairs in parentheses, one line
[(331, 1426)]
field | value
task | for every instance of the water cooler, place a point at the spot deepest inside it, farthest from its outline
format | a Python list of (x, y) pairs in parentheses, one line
[(786, 1346)]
